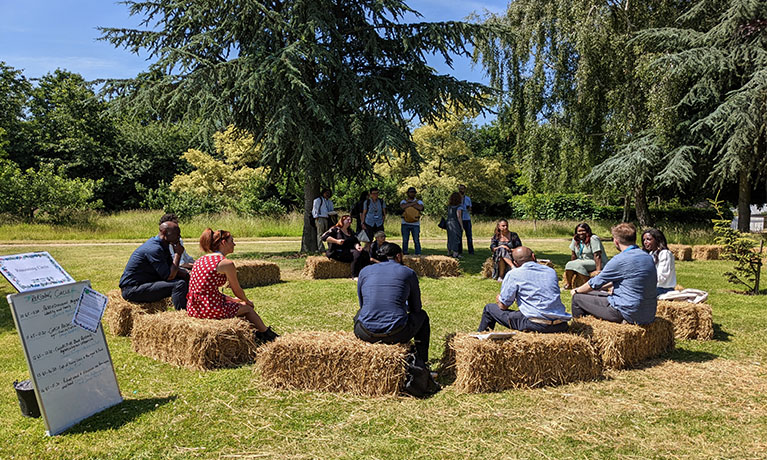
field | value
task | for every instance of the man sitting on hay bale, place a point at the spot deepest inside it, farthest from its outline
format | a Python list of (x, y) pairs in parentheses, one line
[(535, 288), (151, 274), (634, 277), (390, 304)]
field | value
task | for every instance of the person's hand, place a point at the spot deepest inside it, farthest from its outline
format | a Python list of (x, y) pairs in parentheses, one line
[(595, 273), (574, 291), (498, 299), (364, 227), (178, 248)]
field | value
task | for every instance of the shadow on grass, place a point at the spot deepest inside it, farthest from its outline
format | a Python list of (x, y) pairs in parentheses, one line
[(680, 355), (720, 334), (268, 255), (6, 317), (119, 415)]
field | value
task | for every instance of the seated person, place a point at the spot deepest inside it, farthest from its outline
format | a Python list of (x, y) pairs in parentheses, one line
[(586, 255), (390, 304), (187, 261), (654, 242), (151, 274), (501, 244), (633, 275), (345, 247), (210, 272), (378, 242), (535, 288)]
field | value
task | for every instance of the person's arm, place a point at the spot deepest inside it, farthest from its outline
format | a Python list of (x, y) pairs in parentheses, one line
[(418, 205), (507, 295), (572, 255), (227, 267), (360, 282), (364, 215), (515, 240), (610, 272), (459, 214), (383, 209), (468, 205), (316, 207), (596, 249), (598, 260), (494, 244), (178, 248), (414, 299), (665, 266), (404, 204)]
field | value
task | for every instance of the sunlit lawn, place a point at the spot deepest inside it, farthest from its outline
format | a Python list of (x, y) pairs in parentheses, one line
[(706, 400)]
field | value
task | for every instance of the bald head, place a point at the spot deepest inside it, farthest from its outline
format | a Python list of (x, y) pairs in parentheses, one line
[(170, 232), (522, 255)]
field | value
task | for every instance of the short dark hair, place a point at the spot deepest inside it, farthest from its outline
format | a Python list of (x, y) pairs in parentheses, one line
[(169, 217), (325, 190), (390, 250), (374, 189)]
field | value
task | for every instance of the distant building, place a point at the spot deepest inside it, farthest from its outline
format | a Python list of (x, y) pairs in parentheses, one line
[(758, 219)]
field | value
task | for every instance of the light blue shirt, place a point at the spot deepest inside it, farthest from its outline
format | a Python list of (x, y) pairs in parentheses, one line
[(634, 278), (185, 257), (535, 288), (374, 217), (463, 207)]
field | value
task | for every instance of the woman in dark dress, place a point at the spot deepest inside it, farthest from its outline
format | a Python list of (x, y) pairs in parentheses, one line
[(345, 247), (454, 227), (501, 244)]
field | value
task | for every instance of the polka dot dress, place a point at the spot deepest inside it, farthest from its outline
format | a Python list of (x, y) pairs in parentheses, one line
[(204, 299)]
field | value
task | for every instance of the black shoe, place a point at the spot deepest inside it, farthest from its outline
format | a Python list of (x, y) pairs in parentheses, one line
[(267, 336)]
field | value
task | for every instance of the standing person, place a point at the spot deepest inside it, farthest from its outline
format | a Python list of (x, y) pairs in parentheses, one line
[(210, 272), (466, 217), (187, 261), (587, 254), (151, 274), (501, 244), (390, 304), (356, 211), (535, 288), (344, 246), (411, 221), (454, 228), (633, 275), (373, 213), (654, 242), (322, 209)]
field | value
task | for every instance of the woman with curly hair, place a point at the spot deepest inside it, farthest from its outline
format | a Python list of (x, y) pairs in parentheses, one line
[(587, 254)]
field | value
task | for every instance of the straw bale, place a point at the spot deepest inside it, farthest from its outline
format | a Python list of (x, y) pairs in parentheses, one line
[(527, 360), (433, 266), (681, 251), (487, 266), (332, 361), (690, 320), (321, 267), (176, 338), (706, 252), (622, 346), (119, 314), (251, 273)]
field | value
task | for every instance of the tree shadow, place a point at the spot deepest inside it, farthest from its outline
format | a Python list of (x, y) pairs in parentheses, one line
[(6, 317), (268, 255), (681, 355), (720, 334), (119, 415)]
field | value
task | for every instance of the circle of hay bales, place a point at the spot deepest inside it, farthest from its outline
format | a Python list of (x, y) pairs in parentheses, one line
[(198, 344), (433, 266), (706, 252), (252, 273), (691, 321), (321, 267), (119, 313), (622, 346), (681, 252), (526, 360), (334, 362)]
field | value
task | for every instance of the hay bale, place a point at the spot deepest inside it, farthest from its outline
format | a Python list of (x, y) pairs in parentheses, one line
[(251, 273), (526, 360), (706, 252), (681, 251), (332, 361), (321, 267), (433, 266), (176, 338), (487, 266), (690, 320), (622, 346), (119, 314)]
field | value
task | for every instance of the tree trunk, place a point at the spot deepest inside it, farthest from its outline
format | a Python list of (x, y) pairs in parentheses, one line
[(640, 203), (309, 237), (626, 208), (744, 201)]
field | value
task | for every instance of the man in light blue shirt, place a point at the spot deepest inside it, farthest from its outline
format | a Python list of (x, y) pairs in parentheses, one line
[(634, 278), (373, 214), (535, 288), (466, 218)]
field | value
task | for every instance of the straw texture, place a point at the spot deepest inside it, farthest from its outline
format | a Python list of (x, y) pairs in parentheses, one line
[(487, 266), (681, 251), (198, 344), (251, 273), (433, 266), (332, 361), (321, 267), (621, 346), (119, 314), (706, 252), (691, 321), (526, 360)]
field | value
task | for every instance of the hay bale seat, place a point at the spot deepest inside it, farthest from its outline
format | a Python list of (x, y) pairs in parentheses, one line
[(681, 251), (691, 321), (120, 314), (433, 266), (706, 252), (334, 362), (321, 268), (198, 344), (487, 266), (622, 346), (252, 273), (527, 359)]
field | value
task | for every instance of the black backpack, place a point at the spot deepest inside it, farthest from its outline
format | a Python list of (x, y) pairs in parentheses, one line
[(418, 379)]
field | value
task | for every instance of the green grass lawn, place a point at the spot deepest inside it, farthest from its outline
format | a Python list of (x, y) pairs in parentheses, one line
[(706, 400)]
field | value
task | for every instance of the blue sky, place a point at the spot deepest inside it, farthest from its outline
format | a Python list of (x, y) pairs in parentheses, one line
[(39, 36)]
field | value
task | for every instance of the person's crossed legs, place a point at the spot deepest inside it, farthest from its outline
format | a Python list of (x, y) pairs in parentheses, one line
[(595, 303)]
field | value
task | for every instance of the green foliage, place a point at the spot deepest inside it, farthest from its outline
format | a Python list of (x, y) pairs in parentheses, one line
[(14, 94), (740, 248)]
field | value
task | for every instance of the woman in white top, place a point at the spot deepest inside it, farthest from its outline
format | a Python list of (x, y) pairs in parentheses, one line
[(654, 242)]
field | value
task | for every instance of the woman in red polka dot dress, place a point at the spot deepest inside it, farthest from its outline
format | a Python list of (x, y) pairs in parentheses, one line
[(212, 271)]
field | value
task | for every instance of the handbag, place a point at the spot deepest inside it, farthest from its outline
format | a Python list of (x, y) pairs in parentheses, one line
[(442, 224), (418, 379), (362, 236)]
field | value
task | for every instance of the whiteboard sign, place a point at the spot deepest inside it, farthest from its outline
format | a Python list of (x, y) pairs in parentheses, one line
[(70, 366), (33, 270)]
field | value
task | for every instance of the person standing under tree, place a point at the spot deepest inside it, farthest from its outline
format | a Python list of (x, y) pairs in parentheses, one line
[(322, 209), (411, 221), (373, 214), (466, 217)]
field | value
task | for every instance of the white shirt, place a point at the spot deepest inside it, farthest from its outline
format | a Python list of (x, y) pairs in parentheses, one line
[(185, 257), (321, 207), (418, 222), (665, 268)]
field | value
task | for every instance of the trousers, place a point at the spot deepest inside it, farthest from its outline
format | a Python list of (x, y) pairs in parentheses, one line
[(176, 289), (513, 319), (417, 328), (595, 303)]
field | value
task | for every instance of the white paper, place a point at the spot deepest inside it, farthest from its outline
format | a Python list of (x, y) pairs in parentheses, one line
[(33, 270), (89, 310), (493, 335)]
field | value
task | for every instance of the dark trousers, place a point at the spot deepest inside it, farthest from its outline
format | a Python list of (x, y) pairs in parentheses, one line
[(469, 239), (176, 289), (595, 303), (371, 231), (417, 327), (514, 319), (358, 259)]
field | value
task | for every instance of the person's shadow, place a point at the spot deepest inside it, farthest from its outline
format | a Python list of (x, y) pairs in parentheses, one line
[(119, 415)]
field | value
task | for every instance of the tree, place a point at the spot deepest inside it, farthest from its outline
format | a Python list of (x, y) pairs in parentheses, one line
[(14, 93), (324, 86), (717, 58)]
